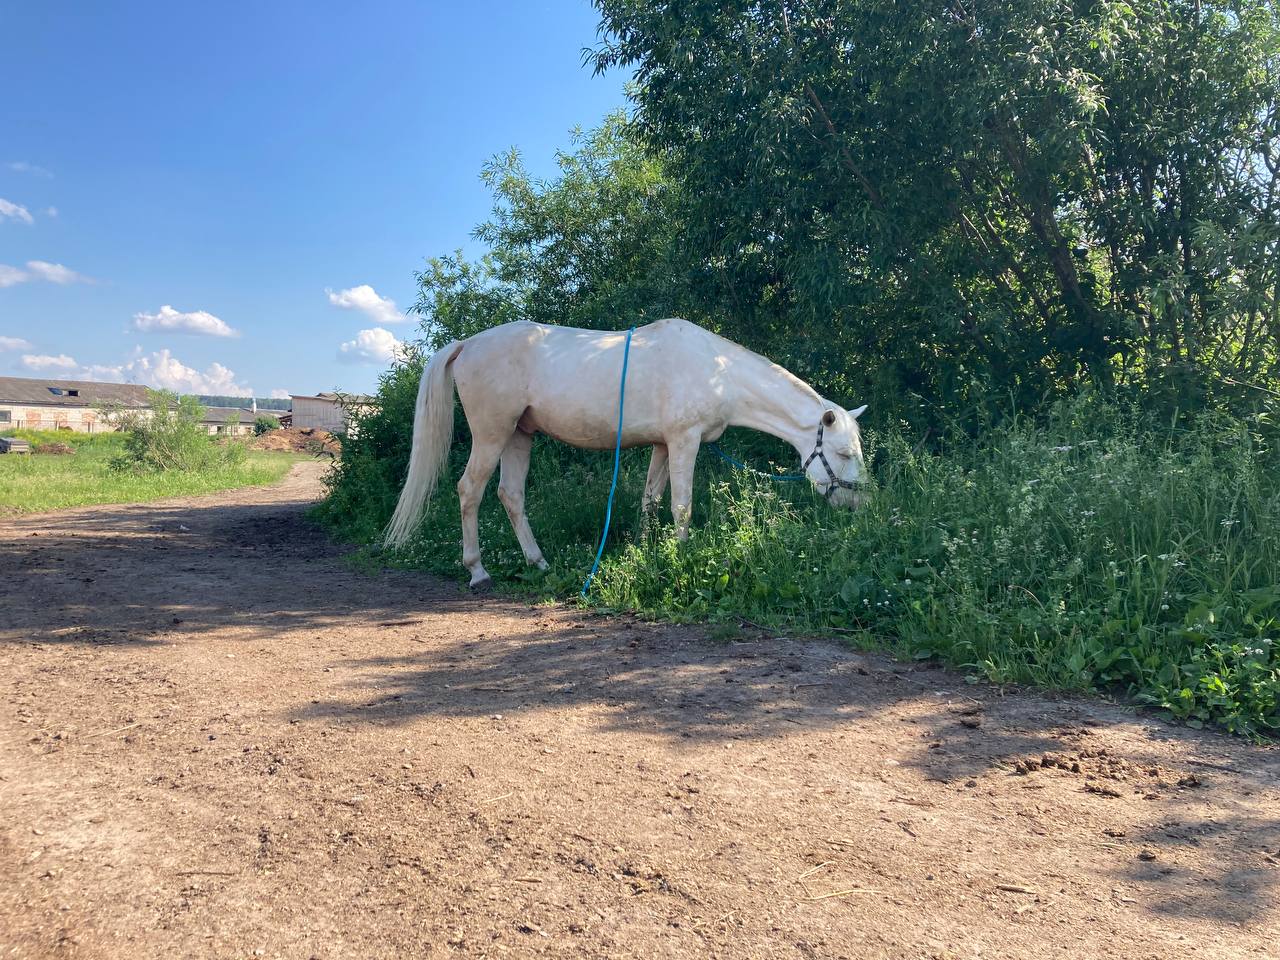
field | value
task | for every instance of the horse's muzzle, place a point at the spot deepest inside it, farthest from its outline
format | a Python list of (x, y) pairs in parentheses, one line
[(847, 499)]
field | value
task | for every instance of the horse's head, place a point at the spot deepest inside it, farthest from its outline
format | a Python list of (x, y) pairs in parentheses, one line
[(835, 466)]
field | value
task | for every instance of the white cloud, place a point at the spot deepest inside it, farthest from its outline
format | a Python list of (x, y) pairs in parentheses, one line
[(55, 273), (50, 211), (279, 394), (14, 343), (15, 211), (159, 369), (9, 276), (101, 371), (40, 270), (365, 299), (43, 361), (371, 346), (166, 371), (169, 320), (21, 166)]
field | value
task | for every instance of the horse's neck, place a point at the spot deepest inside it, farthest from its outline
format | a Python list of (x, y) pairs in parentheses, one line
[(775, 401)]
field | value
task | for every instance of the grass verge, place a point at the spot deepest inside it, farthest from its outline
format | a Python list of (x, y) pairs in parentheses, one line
[(42, 481), (1096, 551)]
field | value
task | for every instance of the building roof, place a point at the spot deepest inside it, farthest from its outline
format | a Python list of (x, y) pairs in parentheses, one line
[(71, 393), (333, 397), (242, 414)]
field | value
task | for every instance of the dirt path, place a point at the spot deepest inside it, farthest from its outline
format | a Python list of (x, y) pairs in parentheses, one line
[(217, 740)]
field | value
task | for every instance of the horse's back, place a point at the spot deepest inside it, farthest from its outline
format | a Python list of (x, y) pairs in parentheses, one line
[(563, 381)]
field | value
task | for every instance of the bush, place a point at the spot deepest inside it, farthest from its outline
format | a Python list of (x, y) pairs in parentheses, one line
[(170, 436), (265, 425), (1096, 551), (363, 487)]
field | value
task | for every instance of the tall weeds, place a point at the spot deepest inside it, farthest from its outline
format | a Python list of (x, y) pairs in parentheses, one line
[(1093, 551)]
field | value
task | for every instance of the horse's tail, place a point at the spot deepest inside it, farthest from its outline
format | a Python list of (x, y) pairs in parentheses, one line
[(432, 436)]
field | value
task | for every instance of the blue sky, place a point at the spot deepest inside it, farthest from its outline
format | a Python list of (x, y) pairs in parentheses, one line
[(221, 197)]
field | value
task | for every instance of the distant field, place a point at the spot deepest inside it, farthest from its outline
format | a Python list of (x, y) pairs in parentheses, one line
[(30, 484)]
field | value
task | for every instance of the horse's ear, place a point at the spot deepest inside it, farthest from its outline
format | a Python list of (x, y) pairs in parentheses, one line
[(829, 418), (859, 412)]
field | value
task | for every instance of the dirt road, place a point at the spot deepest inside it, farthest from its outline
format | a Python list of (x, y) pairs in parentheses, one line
[(218, 740)]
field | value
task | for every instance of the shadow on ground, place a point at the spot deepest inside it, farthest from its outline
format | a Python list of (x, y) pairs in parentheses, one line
[(259, 573)]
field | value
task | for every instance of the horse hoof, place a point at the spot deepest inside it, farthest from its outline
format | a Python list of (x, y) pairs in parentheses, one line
[(543, 566), (482, 586)]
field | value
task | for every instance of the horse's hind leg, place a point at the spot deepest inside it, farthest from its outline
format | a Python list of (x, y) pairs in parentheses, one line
[(515, 468), (484, 457), (656, 482)]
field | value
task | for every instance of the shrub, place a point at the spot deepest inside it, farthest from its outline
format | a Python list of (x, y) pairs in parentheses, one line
[(1098, 550), (170, 436)]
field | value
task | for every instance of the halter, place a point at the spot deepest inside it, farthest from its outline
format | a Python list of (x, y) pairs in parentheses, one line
[(833, 482)]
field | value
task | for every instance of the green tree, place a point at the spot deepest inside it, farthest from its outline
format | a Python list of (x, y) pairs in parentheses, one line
[(975, 194), (596, 247)]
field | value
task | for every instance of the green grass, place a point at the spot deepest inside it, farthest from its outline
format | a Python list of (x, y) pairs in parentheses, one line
[(1097, 551), (31, 484)]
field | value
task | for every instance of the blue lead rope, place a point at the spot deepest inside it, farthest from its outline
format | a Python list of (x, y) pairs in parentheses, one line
[(617, 459)]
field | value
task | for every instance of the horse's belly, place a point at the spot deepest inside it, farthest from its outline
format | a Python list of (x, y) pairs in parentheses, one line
[(592, 430)]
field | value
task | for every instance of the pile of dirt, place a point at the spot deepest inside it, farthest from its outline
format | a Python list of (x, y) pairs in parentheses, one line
[(55, 447), (304, 440)]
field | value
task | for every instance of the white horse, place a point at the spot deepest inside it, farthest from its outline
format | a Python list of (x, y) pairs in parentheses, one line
[(685, 385)]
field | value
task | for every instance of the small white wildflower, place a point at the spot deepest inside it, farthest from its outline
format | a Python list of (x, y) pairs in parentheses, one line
[(907, 581), (1164, 606), (1061, 449)]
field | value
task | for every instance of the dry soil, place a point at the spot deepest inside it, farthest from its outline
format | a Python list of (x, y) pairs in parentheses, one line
[(219, 739)]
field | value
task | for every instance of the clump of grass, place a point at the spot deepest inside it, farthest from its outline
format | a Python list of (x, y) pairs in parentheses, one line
[(1093, 551)]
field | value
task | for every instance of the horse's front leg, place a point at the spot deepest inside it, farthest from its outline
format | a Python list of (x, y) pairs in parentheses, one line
[(515, 469), (681, 456), (484, 457), (656, 482)]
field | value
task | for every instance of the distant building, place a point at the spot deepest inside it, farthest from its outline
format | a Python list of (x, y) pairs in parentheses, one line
[(35, 403), (327, 411), (234, 421)]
